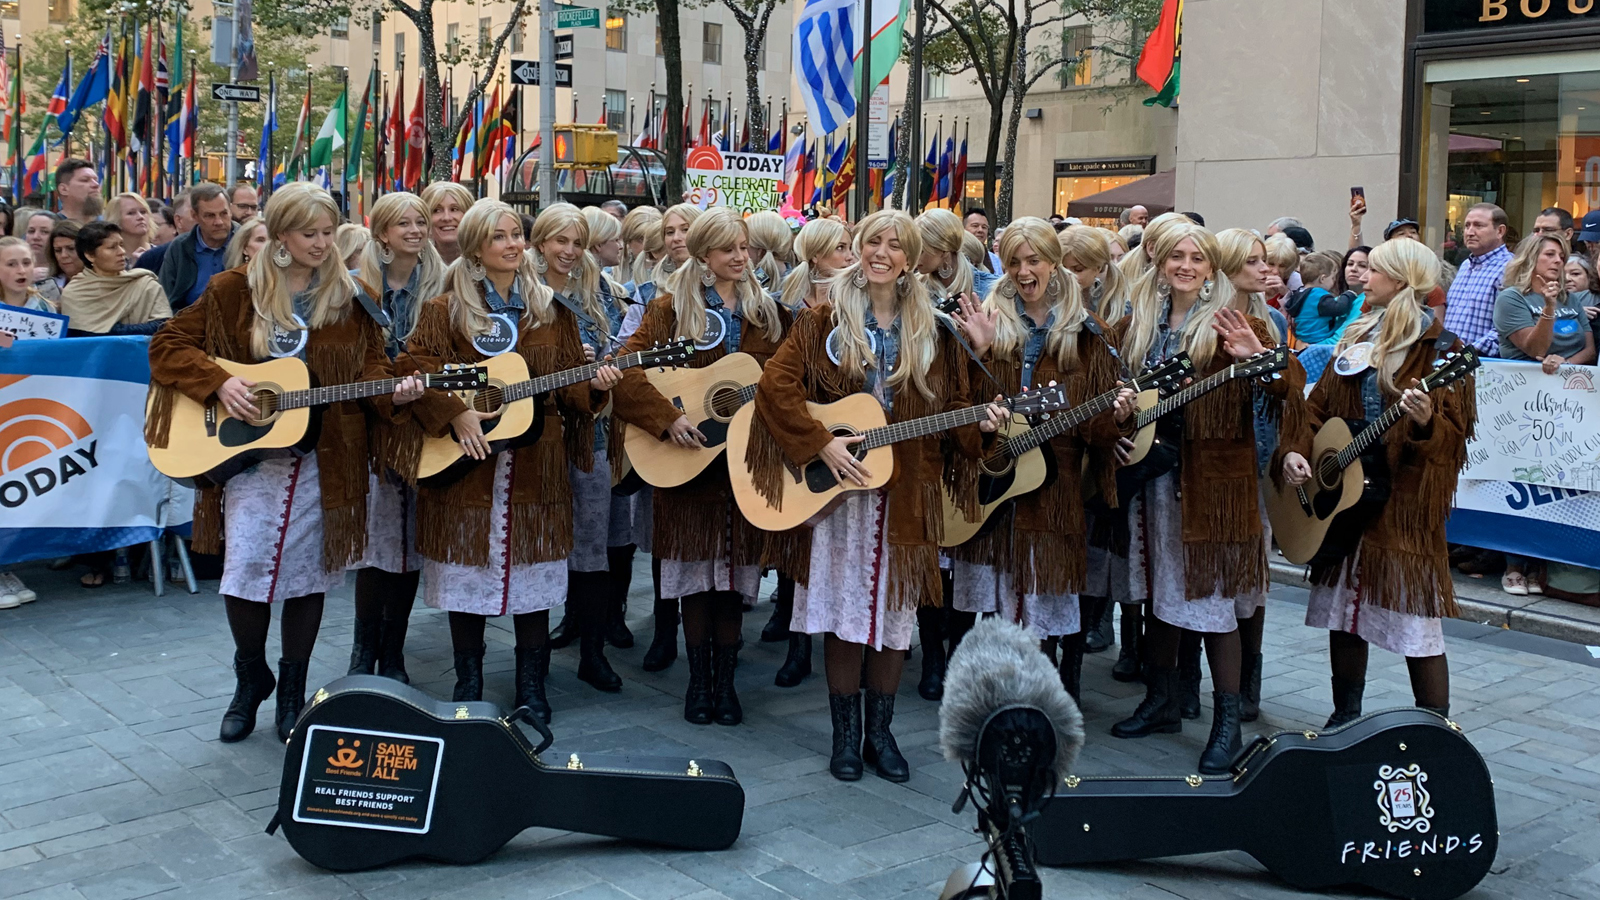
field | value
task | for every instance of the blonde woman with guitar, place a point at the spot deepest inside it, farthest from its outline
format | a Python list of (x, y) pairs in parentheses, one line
[(292, 525), (1195, 536), (874, 559), (1396, 586), (495, 540), (710, 556), (402, 265), (1036, 330)]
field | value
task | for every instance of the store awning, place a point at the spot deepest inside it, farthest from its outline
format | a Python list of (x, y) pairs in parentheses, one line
[(1154, 193)]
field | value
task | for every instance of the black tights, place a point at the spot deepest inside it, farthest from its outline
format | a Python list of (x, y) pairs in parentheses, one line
[(385, 595), (1222, 652), (715, 616), (466, 630), (1251, 630), (847, 670), (1430, 675), (249, 622)]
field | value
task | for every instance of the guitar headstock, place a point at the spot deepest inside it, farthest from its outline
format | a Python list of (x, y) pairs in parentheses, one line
[(670, 353), (949, 305), (457, 377), (1450, 368), (1166, 374), (1039, 400), (1267, 362)]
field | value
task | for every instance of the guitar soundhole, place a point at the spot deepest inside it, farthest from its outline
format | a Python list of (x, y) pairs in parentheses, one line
[(265, 397), (722, 400), (1329, 476), (997, 465), (491, 398)]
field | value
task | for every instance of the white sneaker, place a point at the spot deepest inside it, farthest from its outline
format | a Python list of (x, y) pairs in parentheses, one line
[(11, 584), (8, 596)]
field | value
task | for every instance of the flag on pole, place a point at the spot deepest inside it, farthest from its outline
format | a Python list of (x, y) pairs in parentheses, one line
[(930, 168), (946, 160), (846, 172), (1159, 64), (269, 124), (889, 177), (794, 164), (460, 151), (823, 41), (330, 138), (488, 127), (705, 126), (888, 36), (58, 97), (116, 97), (416, 141), (363, 122), (958, 179), (395, 140), (146, 94), (10, 114), (296, 169), (173, 110), (33, 176), (138, 98), (191, 117), (92, 87)]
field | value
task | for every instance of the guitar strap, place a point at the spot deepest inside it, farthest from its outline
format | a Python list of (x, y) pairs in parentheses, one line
[(955, 332), (372, 308), (572, 304)]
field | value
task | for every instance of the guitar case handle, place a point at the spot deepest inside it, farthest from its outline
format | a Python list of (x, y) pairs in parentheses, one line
[(525, 715), (1241, 763)]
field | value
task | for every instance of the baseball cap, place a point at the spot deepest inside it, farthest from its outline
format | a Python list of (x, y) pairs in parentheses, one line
[(1590, 230), (1301, 237), (1397, 224)]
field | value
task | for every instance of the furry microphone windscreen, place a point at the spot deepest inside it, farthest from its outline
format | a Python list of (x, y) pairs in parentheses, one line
[(999, 664)]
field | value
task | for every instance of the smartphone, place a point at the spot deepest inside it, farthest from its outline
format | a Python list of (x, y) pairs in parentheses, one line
[(1358, 191)]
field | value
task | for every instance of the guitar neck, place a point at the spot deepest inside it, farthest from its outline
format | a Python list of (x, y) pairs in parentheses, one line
[(1187, 395), (337, 393), (544, 384), (1369, 435), (1022, 443), (905, 431)]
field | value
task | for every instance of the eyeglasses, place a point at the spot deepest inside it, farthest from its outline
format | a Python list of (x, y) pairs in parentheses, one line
[(246, 207)]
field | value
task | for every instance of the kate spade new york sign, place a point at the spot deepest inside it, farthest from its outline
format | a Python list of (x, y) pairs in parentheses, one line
[(1464, 15)]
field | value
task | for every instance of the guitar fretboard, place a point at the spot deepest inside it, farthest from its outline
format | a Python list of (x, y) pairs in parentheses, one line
[(895, 432), (1022, 443), (1188, 395), (1368, 436), (322, 396), (544, 384)]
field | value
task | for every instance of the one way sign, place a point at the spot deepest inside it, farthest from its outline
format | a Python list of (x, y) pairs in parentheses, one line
[(526, 71), (247, 93)]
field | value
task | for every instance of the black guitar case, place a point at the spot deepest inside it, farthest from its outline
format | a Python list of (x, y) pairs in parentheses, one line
[(1398, 801), (377, 772)]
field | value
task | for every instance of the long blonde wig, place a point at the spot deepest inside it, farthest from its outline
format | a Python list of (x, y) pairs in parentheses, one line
[(583, 282), (1136, 261), (1235, 246), (642, 223), (941, 232), (388, 211), (469, 312), (603, 227), (1395, 327), (1198, 339), (1519, 271), (719, 229), (771, 253), (817, 238), (296, 207), (662, 274), (1031, 232), (233, 257), (434, 195), (1089, 247), (919, 337)]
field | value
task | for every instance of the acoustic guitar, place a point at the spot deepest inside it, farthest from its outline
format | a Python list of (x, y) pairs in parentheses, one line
[(1022, 462), (510, 393), (377, 772), (709, 396), (812, 490), (1319, 523), (208, 444), (1398, 801), (1159, 440)]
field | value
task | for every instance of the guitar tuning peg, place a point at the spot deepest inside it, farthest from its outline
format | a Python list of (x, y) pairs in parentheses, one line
[(1277, 376)]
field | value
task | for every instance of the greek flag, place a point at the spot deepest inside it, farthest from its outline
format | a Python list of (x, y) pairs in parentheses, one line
[(824, 40)]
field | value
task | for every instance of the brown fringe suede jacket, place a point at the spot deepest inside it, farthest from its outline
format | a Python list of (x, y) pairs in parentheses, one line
[(1224, 552), (801, 372), (1403, 564), (453, 518), (692, 520), (1044, 547), (351, 443)]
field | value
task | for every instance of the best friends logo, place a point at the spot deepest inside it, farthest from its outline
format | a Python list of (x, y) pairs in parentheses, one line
[(37, 452)]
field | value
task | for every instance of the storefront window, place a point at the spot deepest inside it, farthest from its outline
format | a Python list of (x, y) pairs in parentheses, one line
[(1522, 132), (1069, 189)]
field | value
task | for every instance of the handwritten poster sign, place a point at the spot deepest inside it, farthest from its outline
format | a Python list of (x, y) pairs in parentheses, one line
[(1536, 428), (747, 182), (31, 324)]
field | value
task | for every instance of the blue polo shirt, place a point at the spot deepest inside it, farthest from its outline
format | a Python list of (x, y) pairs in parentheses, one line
[(208, 262)]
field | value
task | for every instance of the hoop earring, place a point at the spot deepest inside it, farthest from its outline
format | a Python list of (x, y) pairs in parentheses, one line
[(707, 279), (540, 264), (385, 253), (475, 270), (1052, 288), (1163, 290), (281, 257), (947, 269), (859, 279), (1007, 288)]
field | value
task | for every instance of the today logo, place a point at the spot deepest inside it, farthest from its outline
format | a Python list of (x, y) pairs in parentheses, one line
[(36, 448)]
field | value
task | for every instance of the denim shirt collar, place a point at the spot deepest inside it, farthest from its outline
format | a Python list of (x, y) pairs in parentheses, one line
[(499, 304), (732, 318), (1034, 347), (888, 352)]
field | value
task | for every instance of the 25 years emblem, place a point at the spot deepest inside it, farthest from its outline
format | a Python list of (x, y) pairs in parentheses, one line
[(1403, 800)]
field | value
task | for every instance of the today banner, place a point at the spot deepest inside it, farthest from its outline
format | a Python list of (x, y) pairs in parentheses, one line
[(74, 473), (747, 182)]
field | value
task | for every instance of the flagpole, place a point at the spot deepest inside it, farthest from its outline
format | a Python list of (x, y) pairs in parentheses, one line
[(158, 169), (272, 133), (863, 110), (344, 171)]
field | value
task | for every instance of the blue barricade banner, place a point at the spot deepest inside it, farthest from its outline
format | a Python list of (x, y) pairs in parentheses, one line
[(74, 474)]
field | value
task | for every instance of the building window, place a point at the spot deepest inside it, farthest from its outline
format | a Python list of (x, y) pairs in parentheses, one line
[(340, 28), (617, 31), (935, 85), (60, 10), (715, 108), (452, 40), (517, 37), (1077, 55), (658, 41), (713, 43), (485, 27), (399, 52), (377, 30), (8, 8), (616, 110)]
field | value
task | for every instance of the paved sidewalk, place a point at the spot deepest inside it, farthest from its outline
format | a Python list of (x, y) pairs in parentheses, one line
[(113, 785)]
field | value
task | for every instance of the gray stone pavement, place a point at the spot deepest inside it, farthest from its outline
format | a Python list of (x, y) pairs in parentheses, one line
[(113, 785)]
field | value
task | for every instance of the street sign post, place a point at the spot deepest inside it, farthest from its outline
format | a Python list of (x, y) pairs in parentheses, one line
[(242, 93), (577, 17), (563, 46)]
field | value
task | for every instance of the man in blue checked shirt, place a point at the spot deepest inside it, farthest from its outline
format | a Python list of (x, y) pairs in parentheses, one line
[(1469, 307)]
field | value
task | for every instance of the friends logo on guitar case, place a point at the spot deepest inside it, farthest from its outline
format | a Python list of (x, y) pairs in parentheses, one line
[(368, 779)]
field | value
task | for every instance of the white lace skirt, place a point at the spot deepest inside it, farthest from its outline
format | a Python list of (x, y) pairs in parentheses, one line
[(982, 589), (499, 588), (391, 527), (1156, 563), (591, 517), (642, 506), (272, 528), (848, 591), (1336, 609)]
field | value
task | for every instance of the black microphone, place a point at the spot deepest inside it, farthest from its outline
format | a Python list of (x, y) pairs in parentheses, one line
[(1016, 732)]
